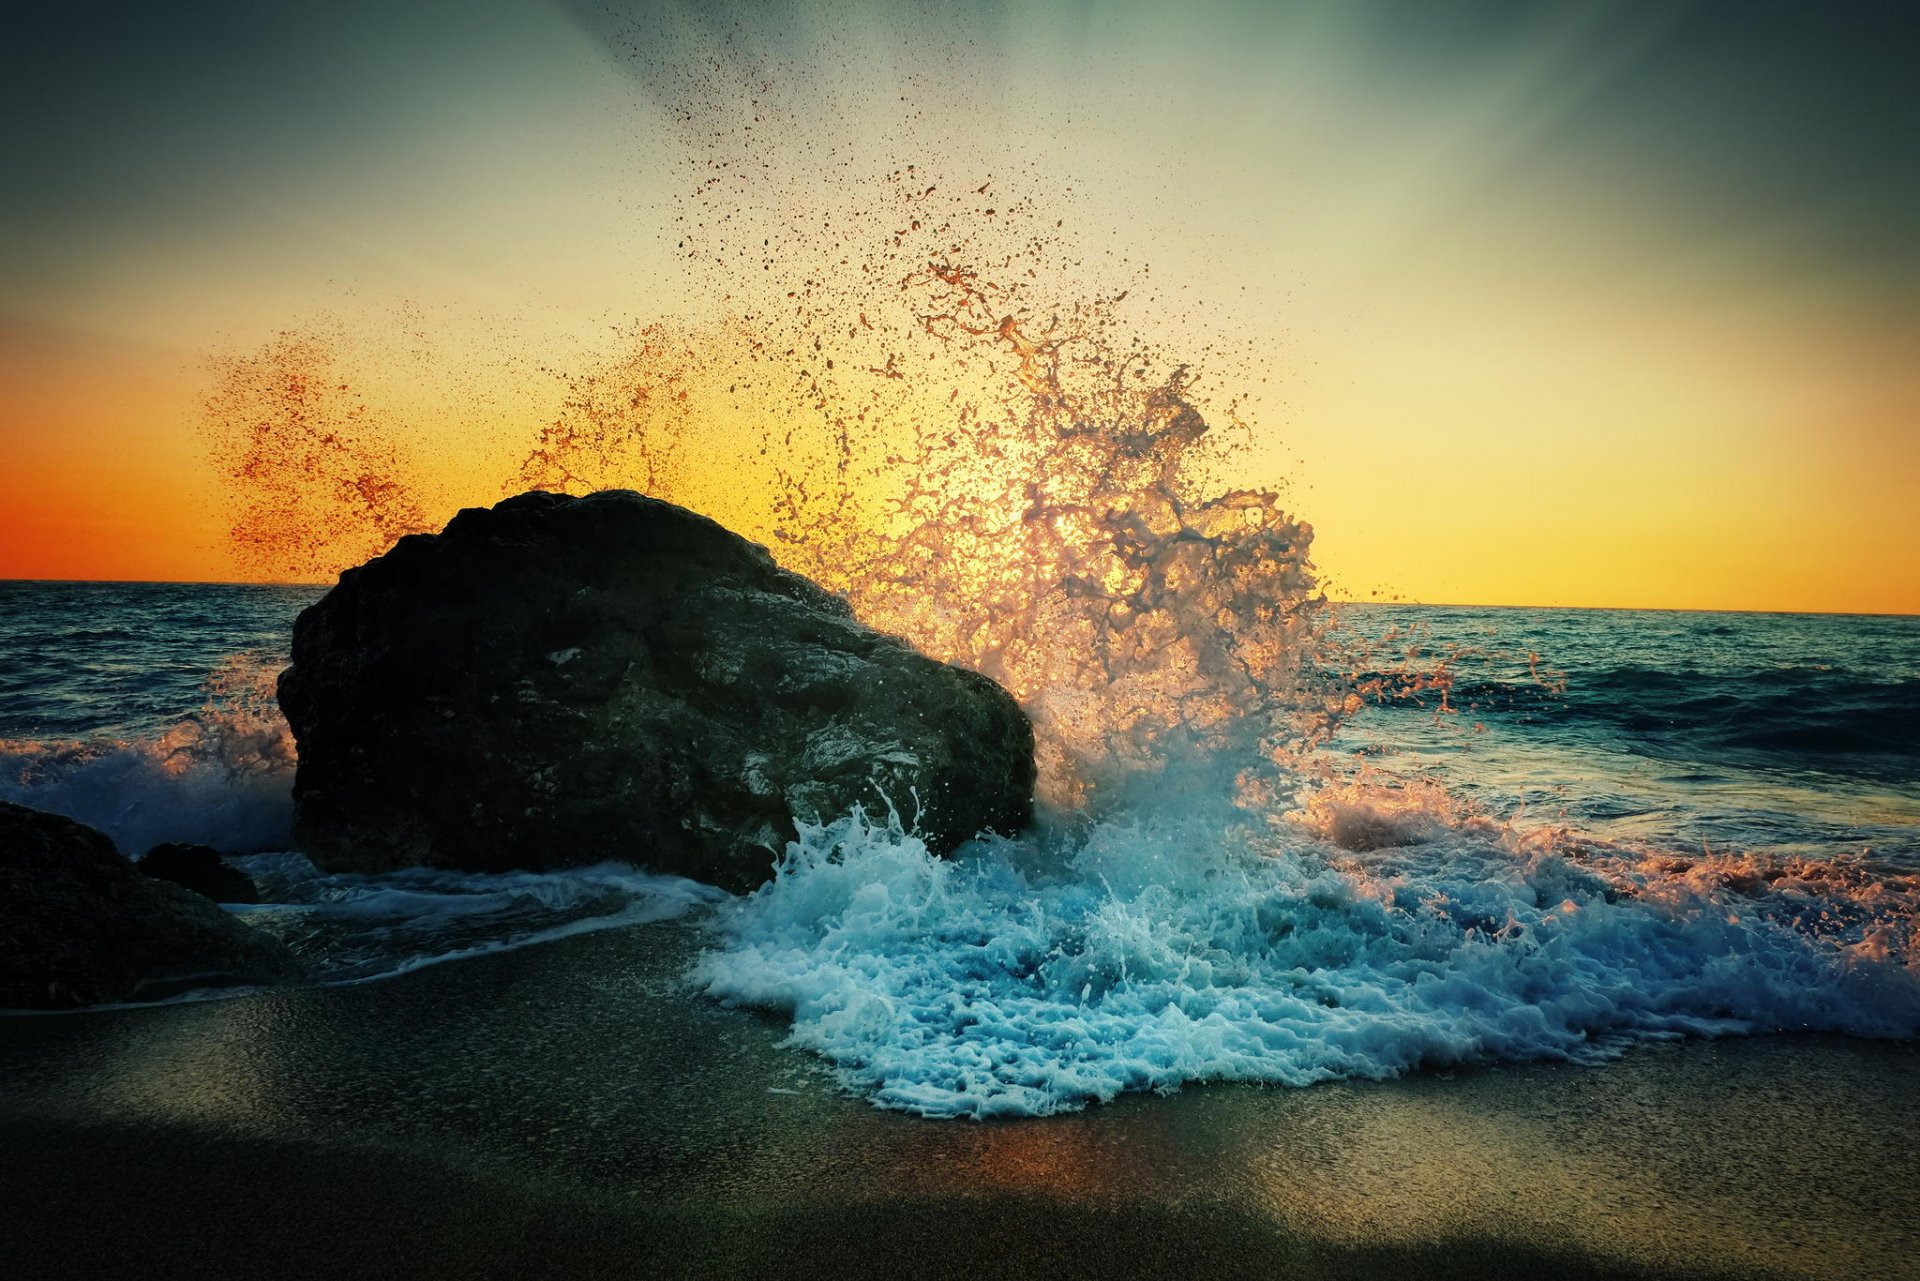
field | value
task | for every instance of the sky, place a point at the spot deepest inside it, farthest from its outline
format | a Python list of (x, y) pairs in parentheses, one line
[(1550, 304)]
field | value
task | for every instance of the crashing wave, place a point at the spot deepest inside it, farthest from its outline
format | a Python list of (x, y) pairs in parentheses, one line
[(1165, 948), (221, 777)]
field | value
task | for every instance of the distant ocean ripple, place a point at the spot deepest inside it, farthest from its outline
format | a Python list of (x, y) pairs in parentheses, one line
[(1782, 733)]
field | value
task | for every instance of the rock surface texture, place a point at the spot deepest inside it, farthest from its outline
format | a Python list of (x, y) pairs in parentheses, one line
[(79, 925), (557, 681)]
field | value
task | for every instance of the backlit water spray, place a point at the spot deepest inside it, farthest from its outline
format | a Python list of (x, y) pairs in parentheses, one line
[(927, 390)]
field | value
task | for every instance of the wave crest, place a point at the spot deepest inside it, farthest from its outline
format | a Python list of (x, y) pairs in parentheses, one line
[(221, 777)]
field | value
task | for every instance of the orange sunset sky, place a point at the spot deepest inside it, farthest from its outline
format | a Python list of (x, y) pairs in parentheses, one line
[(1554, 304)]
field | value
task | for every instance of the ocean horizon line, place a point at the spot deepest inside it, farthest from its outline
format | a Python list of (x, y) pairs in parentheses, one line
[(1340, 601)]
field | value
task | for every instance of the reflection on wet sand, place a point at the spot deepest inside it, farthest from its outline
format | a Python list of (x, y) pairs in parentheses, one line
[(585, 1065)]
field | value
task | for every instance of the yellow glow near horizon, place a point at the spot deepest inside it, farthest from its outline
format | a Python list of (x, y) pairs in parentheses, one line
[(1505, 369)]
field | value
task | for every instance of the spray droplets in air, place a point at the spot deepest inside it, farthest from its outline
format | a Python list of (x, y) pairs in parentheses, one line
[(315, 477), (965, 423), (924, 385)]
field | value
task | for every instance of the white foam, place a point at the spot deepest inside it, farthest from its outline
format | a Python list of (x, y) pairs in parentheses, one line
[(1144, 953), (350, 928), (143, 793), (355, 928), (222, 776)]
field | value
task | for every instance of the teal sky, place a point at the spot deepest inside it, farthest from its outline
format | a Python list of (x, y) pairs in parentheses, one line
[(1793, 121)]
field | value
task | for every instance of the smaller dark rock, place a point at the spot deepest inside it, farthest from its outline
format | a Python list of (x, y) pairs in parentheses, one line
[(200, 869), (78, 925)]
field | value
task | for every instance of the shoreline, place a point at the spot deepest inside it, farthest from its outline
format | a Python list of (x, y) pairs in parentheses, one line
[(572, 1108)]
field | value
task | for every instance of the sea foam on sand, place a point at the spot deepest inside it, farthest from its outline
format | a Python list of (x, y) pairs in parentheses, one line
[(1145, 952)]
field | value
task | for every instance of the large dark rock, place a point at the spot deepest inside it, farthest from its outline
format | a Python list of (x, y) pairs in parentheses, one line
[(79, 925), (200, 869), (557, 681)]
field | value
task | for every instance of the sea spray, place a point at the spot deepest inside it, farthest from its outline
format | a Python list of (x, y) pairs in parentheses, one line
[(316, 479), (937, 392), (930, 390)]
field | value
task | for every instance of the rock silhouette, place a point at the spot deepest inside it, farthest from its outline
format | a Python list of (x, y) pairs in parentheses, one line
[(558, 681), (79, 924)]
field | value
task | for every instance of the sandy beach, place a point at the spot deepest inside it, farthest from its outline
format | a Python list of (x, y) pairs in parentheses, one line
[(571, 1109)]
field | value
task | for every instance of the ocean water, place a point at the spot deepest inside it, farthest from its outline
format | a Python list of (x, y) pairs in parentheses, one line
[(1611, 827), (146, 709), (1788, 734)]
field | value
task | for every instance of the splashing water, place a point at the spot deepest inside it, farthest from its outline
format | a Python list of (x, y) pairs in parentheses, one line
[(313, 474), (220, 777), (978, 457), (1069, 547), (1169, 947), (927, 392)]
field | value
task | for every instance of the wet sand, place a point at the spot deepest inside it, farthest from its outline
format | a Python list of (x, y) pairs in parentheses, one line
[(570, 1109)]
